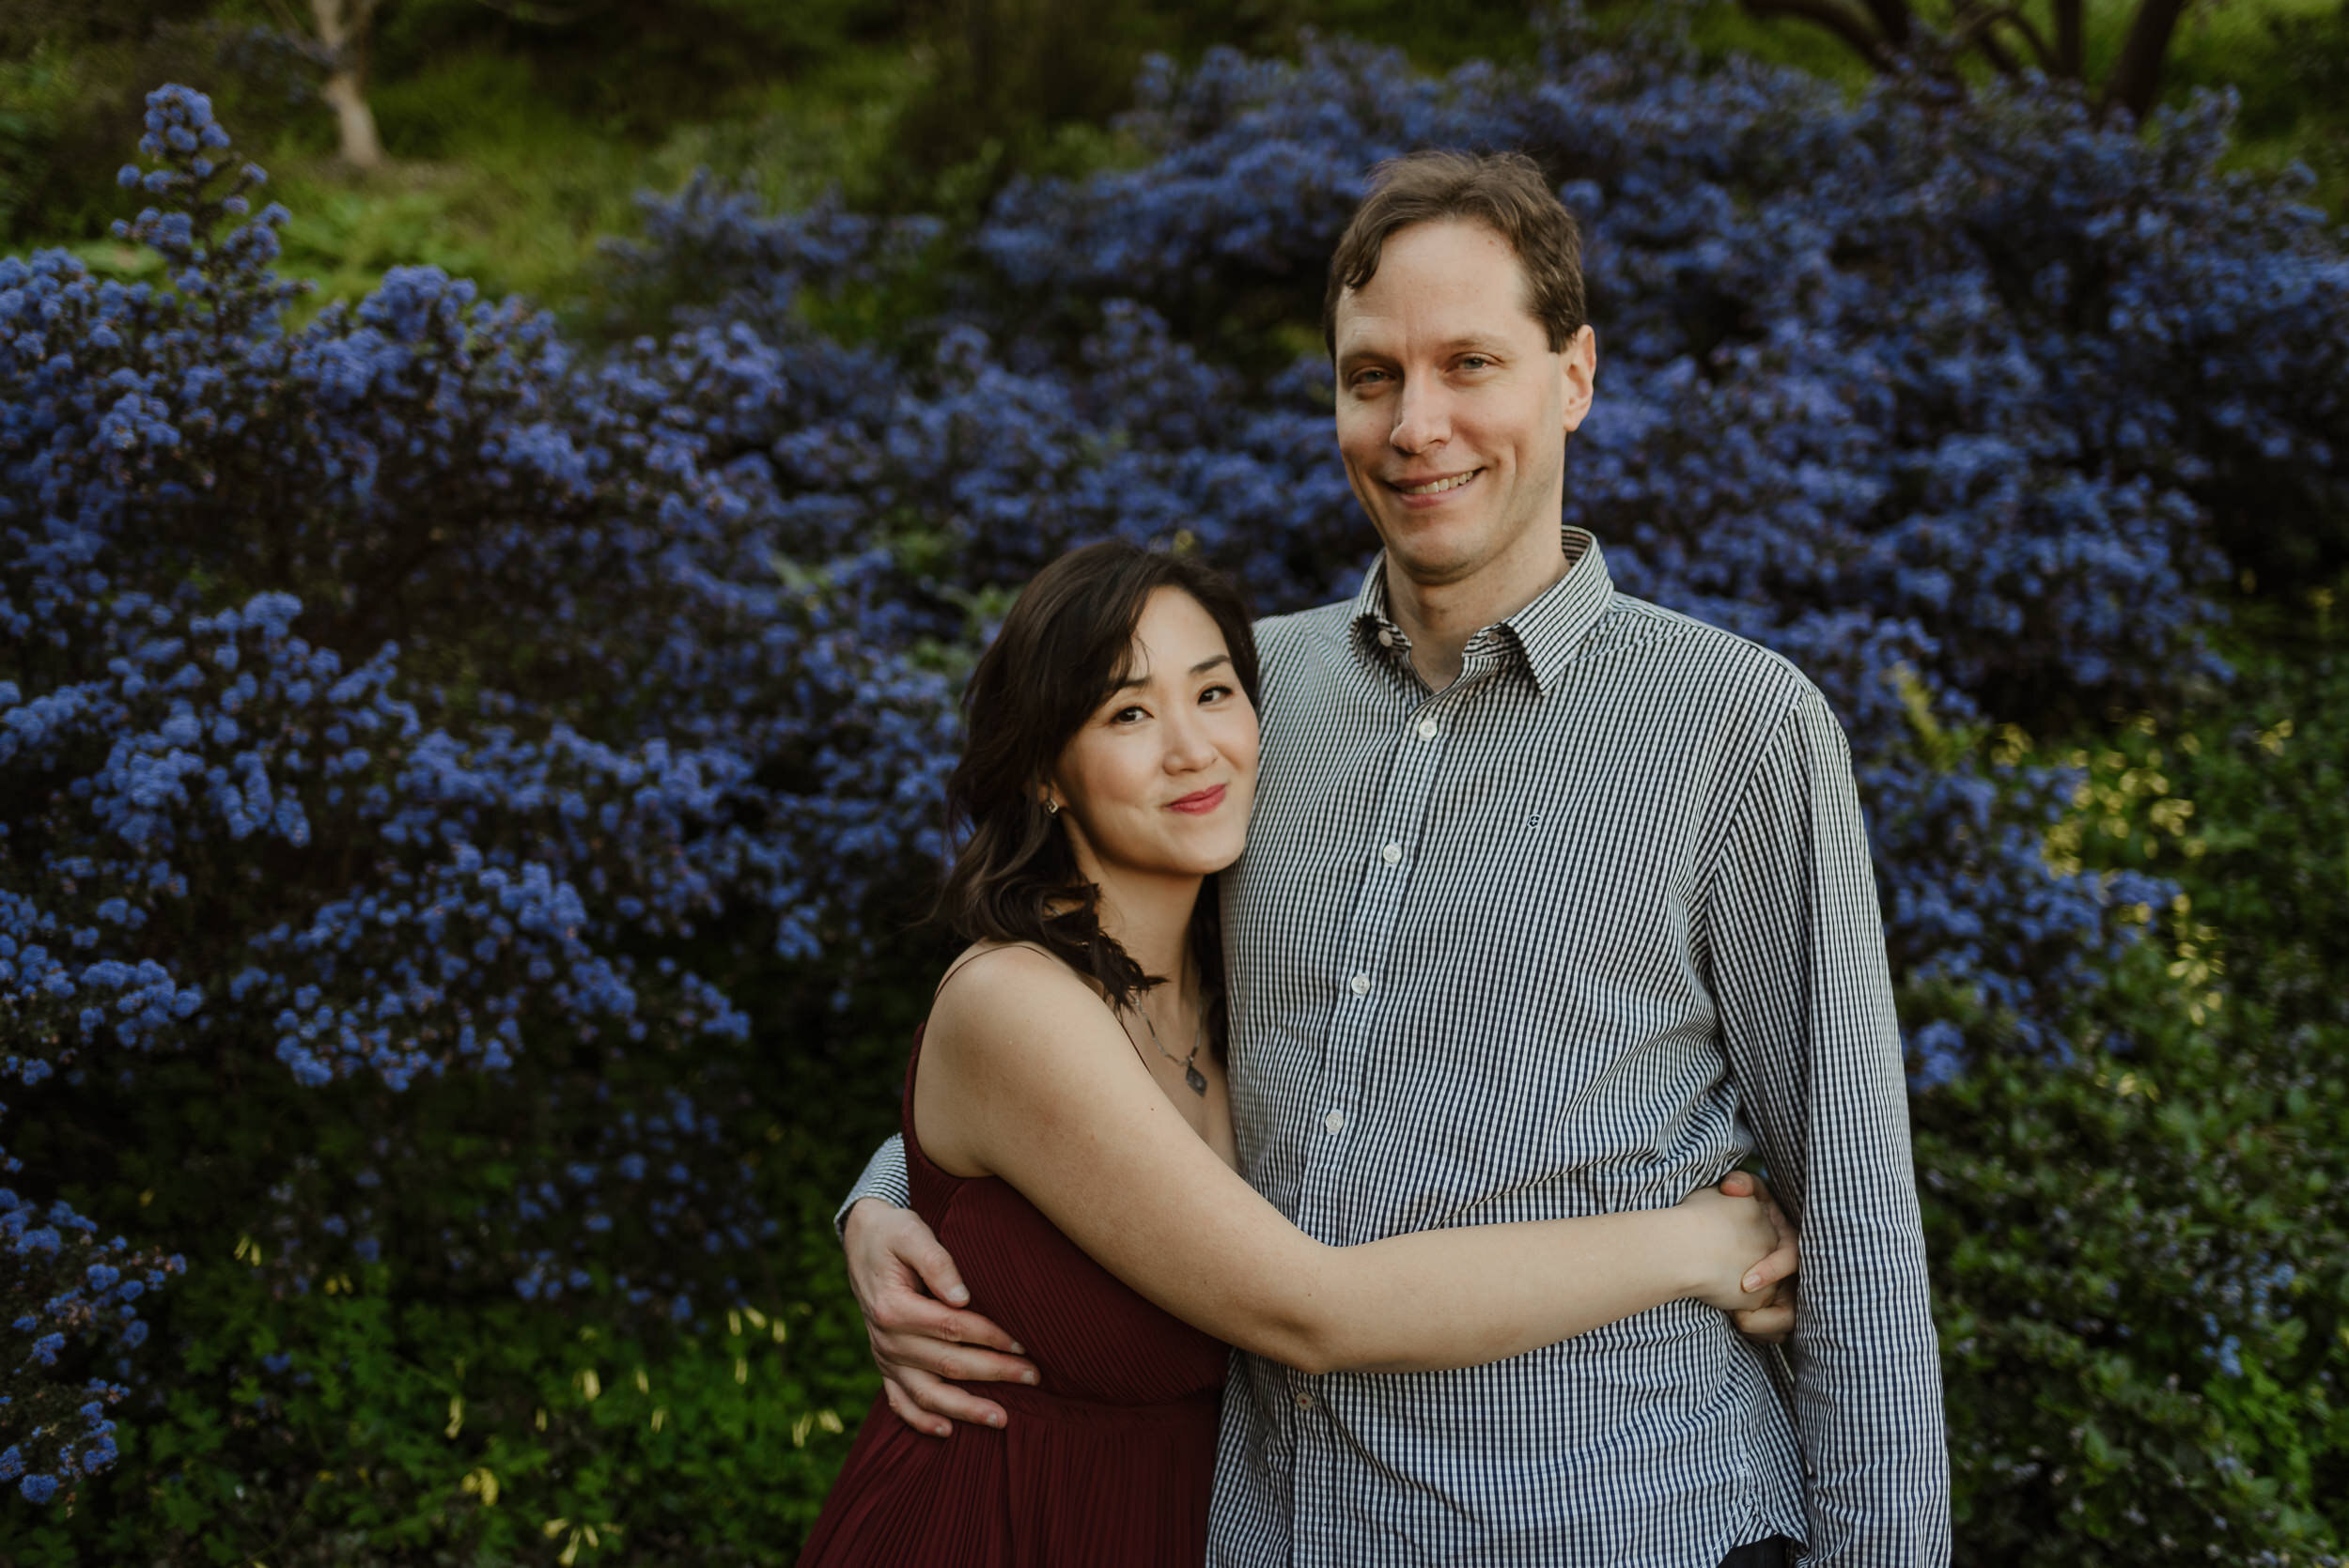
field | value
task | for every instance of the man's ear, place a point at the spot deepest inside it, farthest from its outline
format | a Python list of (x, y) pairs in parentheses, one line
[(1578, 364)]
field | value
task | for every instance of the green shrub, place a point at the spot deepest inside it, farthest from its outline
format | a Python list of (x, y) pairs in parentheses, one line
[(323, 1411), (2142, 1276)]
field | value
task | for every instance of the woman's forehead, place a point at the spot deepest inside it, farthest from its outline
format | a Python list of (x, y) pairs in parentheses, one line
[(1175, 633)]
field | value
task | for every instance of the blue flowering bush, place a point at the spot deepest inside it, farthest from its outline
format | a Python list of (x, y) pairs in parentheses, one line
[(1966, 408), (463, 796), (589, 707), (60, 1282)]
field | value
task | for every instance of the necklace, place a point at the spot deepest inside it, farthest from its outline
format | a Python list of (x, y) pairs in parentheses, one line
[(1192, 1074)]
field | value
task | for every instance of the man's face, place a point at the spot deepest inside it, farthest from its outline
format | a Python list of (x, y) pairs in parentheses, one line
[(1452, 408)]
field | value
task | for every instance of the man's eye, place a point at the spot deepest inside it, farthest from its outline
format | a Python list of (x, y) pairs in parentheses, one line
[(1367, 378), (1476, 362)]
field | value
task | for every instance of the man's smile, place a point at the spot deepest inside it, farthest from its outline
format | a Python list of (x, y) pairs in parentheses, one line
[(1420, 487)]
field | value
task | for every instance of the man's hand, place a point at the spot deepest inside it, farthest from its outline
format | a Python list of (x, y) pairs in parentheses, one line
[(1774, 1320), (909, 1291)]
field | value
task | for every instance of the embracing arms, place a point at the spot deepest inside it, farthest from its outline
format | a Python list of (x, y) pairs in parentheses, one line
[(922, 1332), (1026, 1076)]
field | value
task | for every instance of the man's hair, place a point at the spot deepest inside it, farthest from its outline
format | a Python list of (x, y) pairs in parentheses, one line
[(1503, 191)]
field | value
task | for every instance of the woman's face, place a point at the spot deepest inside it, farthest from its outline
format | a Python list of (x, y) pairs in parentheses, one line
[(1160, 779)]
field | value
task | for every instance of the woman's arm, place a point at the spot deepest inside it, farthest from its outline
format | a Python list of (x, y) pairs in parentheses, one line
[(1028, 1077)]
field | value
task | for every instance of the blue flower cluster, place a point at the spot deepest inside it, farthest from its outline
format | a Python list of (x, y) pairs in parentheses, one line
[(413, 700), (397, 696), (58, 1281)]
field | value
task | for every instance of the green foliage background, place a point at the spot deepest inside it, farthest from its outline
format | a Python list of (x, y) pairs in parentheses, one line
[(2073, 1208)]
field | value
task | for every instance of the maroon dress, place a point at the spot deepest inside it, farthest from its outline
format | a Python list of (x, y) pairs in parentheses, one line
[(1107, 1460)]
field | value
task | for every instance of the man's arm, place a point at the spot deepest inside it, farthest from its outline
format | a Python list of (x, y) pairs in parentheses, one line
[(884, 1178), (1806, 1002), (910, 1294)]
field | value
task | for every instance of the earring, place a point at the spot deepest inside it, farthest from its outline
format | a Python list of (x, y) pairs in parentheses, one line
[(1052, 807)]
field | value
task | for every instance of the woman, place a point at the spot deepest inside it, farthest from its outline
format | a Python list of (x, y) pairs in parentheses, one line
[(1070, 1137)]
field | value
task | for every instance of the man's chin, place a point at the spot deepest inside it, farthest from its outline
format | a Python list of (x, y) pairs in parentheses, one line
[(1439, 555)]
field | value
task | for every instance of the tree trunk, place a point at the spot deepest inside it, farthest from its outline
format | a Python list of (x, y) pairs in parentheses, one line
[(2071, 40), (2135, 79), (344, 27)]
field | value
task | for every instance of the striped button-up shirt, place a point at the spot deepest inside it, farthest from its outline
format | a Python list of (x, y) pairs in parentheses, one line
[(1572, 935)]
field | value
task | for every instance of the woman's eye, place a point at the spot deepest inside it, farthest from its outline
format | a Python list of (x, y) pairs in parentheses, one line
[(1215, 694), (1126, 715)]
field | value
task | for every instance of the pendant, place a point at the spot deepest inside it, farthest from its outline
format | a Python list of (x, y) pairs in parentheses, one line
[(1197, 1080)]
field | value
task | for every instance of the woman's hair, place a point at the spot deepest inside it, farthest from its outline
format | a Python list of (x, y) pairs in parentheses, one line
[(1066, 647)]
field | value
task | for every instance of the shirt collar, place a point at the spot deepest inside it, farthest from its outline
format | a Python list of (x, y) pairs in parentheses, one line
[(1545, 633)]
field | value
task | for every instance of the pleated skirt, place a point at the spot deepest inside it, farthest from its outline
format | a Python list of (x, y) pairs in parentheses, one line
[(1064, 1483)]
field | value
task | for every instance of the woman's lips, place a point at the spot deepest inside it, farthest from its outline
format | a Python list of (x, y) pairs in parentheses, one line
[(1200, 804)]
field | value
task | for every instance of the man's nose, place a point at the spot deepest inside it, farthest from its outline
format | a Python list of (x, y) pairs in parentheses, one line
[(1422, 418)]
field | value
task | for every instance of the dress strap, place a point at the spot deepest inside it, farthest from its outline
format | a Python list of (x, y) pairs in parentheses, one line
[(969, 959)]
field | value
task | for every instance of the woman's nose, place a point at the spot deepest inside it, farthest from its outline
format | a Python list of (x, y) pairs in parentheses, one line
[(1189, 745)]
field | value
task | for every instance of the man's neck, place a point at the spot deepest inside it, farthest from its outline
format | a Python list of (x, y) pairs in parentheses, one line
[(1440, 618)]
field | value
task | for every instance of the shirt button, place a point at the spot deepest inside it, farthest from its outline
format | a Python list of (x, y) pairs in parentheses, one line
[(1386, 638), (1392, 853), (1304, 1400), (1428, 729), (1360, 985), (1335, 1121)]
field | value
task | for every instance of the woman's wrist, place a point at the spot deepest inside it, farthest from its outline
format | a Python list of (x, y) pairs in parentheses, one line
[(1696, 1244)]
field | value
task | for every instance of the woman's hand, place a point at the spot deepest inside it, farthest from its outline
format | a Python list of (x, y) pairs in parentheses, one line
[(1773, 1320), (1743, 1253)]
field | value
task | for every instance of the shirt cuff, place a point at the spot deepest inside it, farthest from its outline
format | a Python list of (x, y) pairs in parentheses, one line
[(884, 1178)]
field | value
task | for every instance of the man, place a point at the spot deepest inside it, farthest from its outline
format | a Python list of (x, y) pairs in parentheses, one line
[(1554, 902)]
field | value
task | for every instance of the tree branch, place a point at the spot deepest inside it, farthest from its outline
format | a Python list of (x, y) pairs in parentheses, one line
[(1893, 22), (1833, 15), (2135, 79), (1975, 25)]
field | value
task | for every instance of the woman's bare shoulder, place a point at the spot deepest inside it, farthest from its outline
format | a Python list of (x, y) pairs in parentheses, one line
[(1016, 1041), (999, 991)]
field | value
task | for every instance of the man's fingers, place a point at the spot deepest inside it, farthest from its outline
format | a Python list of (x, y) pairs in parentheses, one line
[(936, 1398), (964, 1363), (902, 1405), (934, 1267), (904, 1314)]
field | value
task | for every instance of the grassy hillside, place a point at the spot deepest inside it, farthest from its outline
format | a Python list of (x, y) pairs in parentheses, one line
[(515, 146)]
